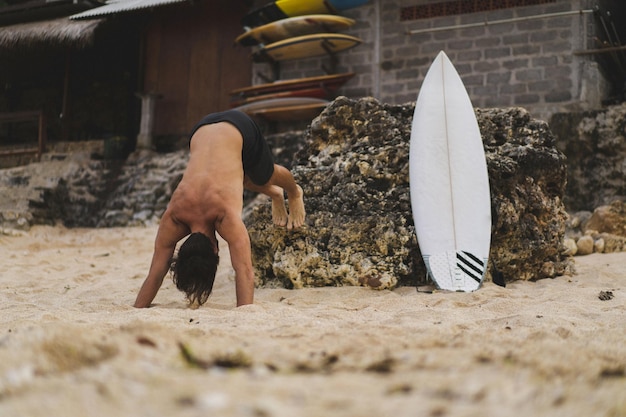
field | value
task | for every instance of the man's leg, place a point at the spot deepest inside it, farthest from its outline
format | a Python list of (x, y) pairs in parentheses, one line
[(281, 180), (279, 211), (282, 177)]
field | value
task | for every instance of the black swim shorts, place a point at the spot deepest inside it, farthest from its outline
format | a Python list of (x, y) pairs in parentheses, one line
[(258, 163)]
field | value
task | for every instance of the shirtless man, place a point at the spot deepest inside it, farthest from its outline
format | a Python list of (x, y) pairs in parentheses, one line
[(227, 152)]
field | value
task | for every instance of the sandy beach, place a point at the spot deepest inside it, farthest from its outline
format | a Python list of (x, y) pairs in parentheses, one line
[(72, 345)]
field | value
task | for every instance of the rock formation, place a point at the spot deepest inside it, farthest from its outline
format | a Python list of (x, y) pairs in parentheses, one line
[(603, 231), (143, 189), (354, 172), (353, 166), (62, 188), (595, 145), (79, 187)]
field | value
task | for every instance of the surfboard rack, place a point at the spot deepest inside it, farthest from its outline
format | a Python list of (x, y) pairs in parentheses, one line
[(265, 78), (333, 59), (329, 69), (274, 65)]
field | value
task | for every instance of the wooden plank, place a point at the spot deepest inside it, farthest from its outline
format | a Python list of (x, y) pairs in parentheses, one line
[(25, 116), (20, 116), (235, 65), (22, 151), (152, 52), (171, 110), (290, 113), (191, 61), (203, 81)]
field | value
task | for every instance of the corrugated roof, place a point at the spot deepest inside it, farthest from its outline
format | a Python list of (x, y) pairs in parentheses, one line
[(120, 6), (62, 31)]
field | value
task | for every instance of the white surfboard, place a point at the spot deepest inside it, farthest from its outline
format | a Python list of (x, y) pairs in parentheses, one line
[(449, 183)]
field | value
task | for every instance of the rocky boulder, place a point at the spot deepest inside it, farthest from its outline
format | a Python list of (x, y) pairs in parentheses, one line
[(77, 186), (63, 188), (600, 231), (595, 145), (142, 189), (354, 172)]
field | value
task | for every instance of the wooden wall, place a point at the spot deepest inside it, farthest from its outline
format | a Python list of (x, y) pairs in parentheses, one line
[(191, 60)]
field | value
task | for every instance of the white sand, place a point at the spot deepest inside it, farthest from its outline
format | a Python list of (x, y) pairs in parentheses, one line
[(71, 345)]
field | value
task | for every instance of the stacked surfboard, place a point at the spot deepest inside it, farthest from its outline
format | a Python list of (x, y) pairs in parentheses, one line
[(289, 30)]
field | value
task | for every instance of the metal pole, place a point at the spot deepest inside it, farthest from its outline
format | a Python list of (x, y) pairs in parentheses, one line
[(502, 21), (377, 39), (600, 50)]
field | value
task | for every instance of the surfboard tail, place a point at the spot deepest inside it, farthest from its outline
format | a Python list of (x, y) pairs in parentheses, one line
[(456, 270)]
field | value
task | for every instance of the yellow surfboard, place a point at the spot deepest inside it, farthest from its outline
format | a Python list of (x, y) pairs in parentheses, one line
[(301, 7), (281, 9), (306, 46), (293, 27)]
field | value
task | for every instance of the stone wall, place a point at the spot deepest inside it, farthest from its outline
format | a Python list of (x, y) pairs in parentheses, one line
[(528, 63)]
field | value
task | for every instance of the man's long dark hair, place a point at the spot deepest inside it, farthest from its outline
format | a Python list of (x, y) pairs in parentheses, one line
[(194, 268)]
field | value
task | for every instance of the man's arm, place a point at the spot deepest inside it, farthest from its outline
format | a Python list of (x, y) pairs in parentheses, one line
[(168, 235), (235, 233)]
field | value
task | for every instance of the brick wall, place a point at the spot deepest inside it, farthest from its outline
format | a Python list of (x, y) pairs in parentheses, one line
[(527, 63)]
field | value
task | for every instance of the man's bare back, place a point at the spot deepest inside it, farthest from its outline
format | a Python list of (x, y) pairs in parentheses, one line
[(213, 182), (212, 185), (209, 199)]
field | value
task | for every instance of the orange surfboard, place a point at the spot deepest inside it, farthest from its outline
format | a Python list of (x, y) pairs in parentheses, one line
[(289, 108), (315, 92), (291, 113), (330, 83)]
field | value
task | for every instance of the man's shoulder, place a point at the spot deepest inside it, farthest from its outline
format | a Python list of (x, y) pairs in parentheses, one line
[(231, 224)]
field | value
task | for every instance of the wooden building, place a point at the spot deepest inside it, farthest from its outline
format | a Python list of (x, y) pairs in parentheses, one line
[(86, 74)]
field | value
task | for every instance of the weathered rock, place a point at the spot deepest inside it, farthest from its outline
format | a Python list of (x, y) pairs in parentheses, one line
[(585, 245), (142, 189), (608, 219), (606, 225), (60, 189), (575, 224), (595, 145), (354, 172), (570, 247), (598, 245), (74, 185), (612, 243)]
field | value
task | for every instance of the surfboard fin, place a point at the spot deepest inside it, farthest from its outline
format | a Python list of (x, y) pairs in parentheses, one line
[(497, 277), (456, 270)]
